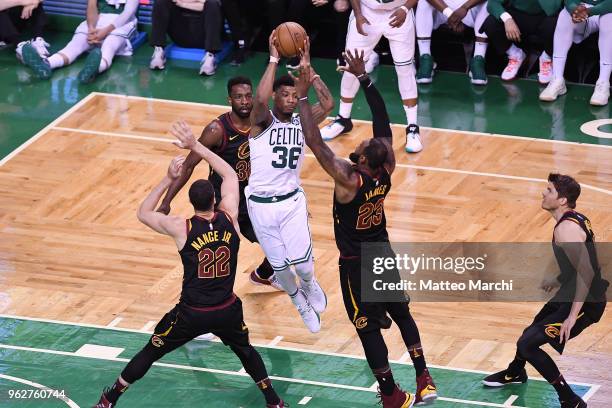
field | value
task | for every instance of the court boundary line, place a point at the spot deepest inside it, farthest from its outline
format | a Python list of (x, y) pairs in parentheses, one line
[(310, 155), (47, 128), (240, 374), (274, 347), (65, 399), (399, 125)]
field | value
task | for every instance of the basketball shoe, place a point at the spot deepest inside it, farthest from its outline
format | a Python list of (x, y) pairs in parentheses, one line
[(258, 280), (426, 392), (575, 402), (315, 295), (399, 399), (505, 377), (104, 403), (309, 315), (336, 128), (281, 404)]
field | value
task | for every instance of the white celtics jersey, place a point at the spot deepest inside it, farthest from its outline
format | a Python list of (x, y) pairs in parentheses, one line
[(276, 158), (383, 4)]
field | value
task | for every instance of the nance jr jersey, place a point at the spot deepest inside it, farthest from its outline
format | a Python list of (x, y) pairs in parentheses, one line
[(276, 158)]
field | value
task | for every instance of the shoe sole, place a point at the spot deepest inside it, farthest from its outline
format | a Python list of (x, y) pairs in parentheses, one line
[(546, 99), (427, 400), (498, 384), (597, 104), (478, 81), (344, 132)]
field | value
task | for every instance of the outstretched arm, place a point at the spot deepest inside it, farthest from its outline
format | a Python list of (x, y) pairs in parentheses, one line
[(212, 136), (260, 115), (230, 192), (164, 224), (381, 125)]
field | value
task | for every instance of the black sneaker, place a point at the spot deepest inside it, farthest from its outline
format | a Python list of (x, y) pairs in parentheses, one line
[(504, 378), (576, 402), (334, 129), (239, 56)]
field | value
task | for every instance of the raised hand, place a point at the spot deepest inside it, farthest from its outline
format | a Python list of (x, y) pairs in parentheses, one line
[(185, 138), (302, 80), (175, 169), (354, 63), (272, 41)]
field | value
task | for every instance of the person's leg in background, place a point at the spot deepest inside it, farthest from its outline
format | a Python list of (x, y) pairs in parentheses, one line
[(162, 13), (601, 94), (213, 23), (342, 10), (239, 28)]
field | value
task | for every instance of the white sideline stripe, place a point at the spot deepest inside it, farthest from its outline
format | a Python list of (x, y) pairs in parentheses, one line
[(95, 350), (594, 388), (46, 129), (463, 132), (404, 357), (510, 400), (237, 373), (286, 348), (242, 371), (115, 322), (67, 400), (312, 156), (304, 401), (149, 325), (275, 341), (374, 387)]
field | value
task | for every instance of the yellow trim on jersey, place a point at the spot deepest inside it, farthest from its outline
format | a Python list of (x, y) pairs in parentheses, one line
[(353, 300)]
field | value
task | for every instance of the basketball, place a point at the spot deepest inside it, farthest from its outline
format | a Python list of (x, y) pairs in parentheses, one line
[(290, 38)]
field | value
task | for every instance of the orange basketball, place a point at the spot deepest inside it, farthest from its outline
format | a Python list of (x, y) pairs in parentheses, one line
[(290, 38)]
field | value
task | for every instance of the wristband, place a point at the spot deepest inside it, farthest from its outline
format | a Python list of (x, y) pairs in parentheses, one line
[(274, 60), (303, 98), (447, 12), (405, 9), (505, 16)]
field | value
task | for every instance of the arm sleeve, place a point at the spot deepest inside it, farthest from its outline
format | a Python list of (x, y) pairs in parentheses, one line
[(128, 13), (604, 7), (496, 8), (380, 117)]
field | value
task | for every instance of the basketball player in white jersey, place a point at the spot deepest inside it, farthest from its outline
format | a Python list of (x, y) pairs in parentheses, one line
[(370, 20), (275, 199)]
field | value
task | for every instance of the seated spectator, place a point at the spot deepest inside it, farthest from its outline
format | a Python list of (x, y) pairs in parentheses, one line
[(577, 21), (17, 16), (512, 22), (190, 24), (234, 11), (105, 33), (431, 14)]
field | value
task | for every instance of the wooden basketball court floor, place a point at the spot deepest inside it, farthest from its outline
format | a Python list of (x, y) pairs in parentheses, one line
[(77, 266)]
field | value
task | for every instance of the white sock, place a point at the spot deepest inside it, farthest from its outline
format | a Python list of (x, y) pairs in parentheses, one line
[(562, 41), (411, 114), (424, 46), (345, 109), (55, 61), (110, 47), (605, 47), (604, 72), (559, 66), (480, 48), (514, 51)]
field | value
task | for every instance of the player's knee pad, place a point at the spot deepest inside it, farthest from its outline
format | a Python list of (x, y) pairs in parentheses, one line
[(406, 79)]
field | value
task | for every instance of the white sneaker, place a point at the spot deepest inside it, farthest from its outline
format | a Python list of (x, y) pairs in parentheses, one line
[(601, 94), (158, 60), (39, 44), (372, 62), (315, 295), (556, 87), (413, 139), (514, 64), (309, 316), (334, 129), (209, 66), (545, 73)]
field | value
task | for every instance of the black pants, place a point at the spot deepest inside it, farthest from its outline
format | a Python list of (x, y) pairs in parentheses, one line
[(538, 31), (11, 24), (234, 11), (190, 29)]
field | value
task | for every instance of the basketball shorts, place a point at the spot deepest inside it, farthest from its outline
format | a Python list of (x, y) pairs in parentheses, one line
[(126, 31), (549, 320), (184, 323), (366, 316), (469, 19), (401, 39), (281, 226)]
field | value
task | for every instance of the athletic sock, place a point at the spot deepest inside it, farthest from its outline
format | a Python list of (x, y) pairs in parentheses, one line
[(411, 114), (514, 51), (384, 376), (563, 389), (424, 46), (480, 48), (604, 72), (265, 386), (264, 270), (118, 388), (345, 109), (55, 61), (418, 359)]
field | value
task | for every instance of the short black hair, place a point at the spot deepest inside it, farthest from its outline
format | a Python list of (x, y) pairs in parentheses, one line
[(566, 187), (202, 195), (238, 80), (376, 153), (284, 80)]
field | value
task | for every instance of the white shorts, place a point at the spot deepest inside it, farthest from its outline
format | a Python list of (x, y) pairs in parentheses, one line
[(583, 30), (469, 19), (126, 31), (282, 229), (401, 39)]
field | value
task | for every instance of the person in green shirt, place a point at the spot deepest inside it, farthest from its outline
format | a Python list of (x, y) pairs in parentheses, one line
[(513, 23), (105, 33), (577, 21)]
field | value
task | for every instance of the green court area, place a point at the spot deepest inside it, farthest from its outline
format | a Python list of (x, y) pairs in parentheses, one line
[(81, 360)]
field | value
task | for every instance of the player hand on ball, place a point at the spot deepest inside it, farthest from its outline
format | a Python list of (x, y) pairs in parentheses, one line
[(175, 168), (354, 63), (454, 21), (272, 41), (182, 131)]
